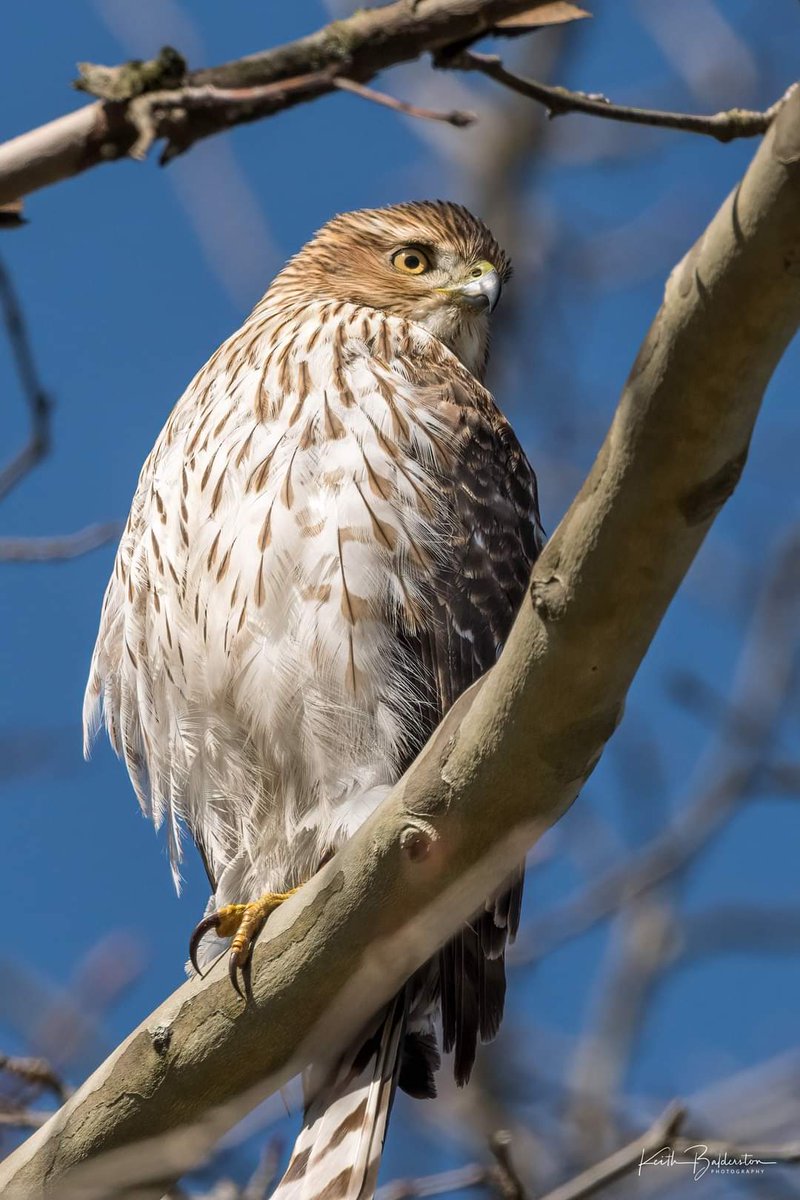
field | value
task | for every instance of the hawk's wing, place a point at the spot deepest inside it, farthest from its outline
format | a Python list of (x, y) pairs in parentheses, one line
[(478, 592)]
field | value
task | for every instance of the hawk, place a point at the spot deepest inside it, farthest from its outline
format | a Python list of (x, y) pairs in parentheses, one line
[(328, 543)]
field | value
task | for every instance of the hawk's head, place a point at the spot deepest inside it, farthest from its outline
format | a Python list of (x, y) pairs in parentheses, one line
[(430, 262)]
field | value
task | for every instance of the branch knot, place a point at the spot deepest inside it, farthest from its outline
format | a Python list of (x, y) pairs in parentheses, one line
[(549, 597)]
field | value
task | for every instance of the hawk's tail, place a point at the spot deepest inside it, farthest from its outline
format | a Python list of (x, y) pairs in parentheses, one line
[(338, 1151)]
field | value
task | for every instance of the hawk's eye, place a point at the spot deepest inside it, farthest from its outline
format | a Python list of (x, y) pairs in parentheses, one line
[(411, 261)]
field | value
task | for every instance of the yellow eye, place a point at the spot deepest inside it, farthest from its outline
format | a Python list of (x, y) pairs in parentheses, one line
[(411, 261)]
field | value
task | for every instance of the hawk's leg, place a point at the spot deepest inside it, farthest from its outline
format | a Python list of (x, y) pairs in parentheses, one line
[(243, 923)]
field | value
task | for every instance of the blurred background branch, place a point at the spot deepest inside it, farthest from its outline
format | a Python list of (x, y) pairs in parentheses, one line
[(38, 445), (37, 400)]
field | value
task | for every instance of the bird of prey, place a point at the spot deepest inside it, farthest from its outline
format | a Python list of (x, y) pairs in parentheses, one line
[(328, 543)]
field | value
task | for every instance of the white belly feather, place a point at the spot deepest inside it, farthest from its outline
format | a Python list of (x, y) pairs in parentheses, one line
[(249, 659)]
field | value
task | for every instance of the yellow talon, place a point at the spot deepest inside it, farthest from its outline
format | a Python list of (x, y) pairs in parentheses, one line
[(243, 923), (229, 919)]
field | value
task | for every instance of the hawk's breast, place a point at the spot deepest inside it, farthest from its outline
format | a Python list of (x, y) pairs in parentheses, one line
[(306, 581)]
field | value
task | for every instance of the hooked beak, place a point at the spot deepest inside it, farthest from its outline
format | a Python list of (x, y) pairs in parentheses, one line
[(482, 287)]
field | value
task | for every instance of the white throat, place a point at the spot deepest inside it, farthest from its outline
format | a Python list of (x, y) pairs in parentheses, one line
[(465, 332)]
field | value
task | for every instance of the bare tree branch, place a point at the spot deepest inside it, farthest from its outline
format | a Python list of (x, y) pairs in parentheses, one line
[(503, 1177), (662, 1136), (36, 1071), (29, 1079), (145, 102), (42, 549), (457, 117), (37, 399), (526, 738), (58, 548), (639, 950), (150, 104), (460, 1179), (23, 1118), (738, 928), (724, 126), (500, 1179)]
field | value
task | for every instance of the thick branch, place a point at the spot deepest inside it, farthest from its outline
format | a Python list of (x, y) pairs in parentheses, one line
[(216, 98), (513, 753)]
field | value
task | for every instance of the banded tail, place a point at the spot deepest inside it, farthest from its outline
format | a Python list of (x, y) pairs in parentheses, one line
[(338, 1151)]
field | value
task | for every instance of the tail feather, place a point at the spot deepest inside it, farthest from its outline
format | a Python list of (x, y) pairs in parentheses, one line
[(337, 1154)]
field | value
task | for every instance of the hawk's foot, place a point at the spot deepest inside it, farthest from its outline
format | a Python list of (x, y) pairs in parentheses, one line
[(243, 923)]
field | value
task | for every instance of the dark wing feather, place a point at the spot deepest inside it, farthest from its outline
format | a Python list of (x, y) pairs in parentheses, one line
[(493, 489), (419, 1062)]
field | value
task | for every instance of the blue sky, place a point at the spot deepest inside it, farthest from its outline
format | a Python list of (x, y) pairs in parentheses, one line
[(130, 277)]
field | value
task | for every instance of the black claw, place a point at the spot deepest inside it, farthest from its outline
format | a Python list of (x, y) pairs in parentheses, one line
[(233, 972), (233, 965), (247, 977), (240, 962), (242, 966), (200, 932)]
